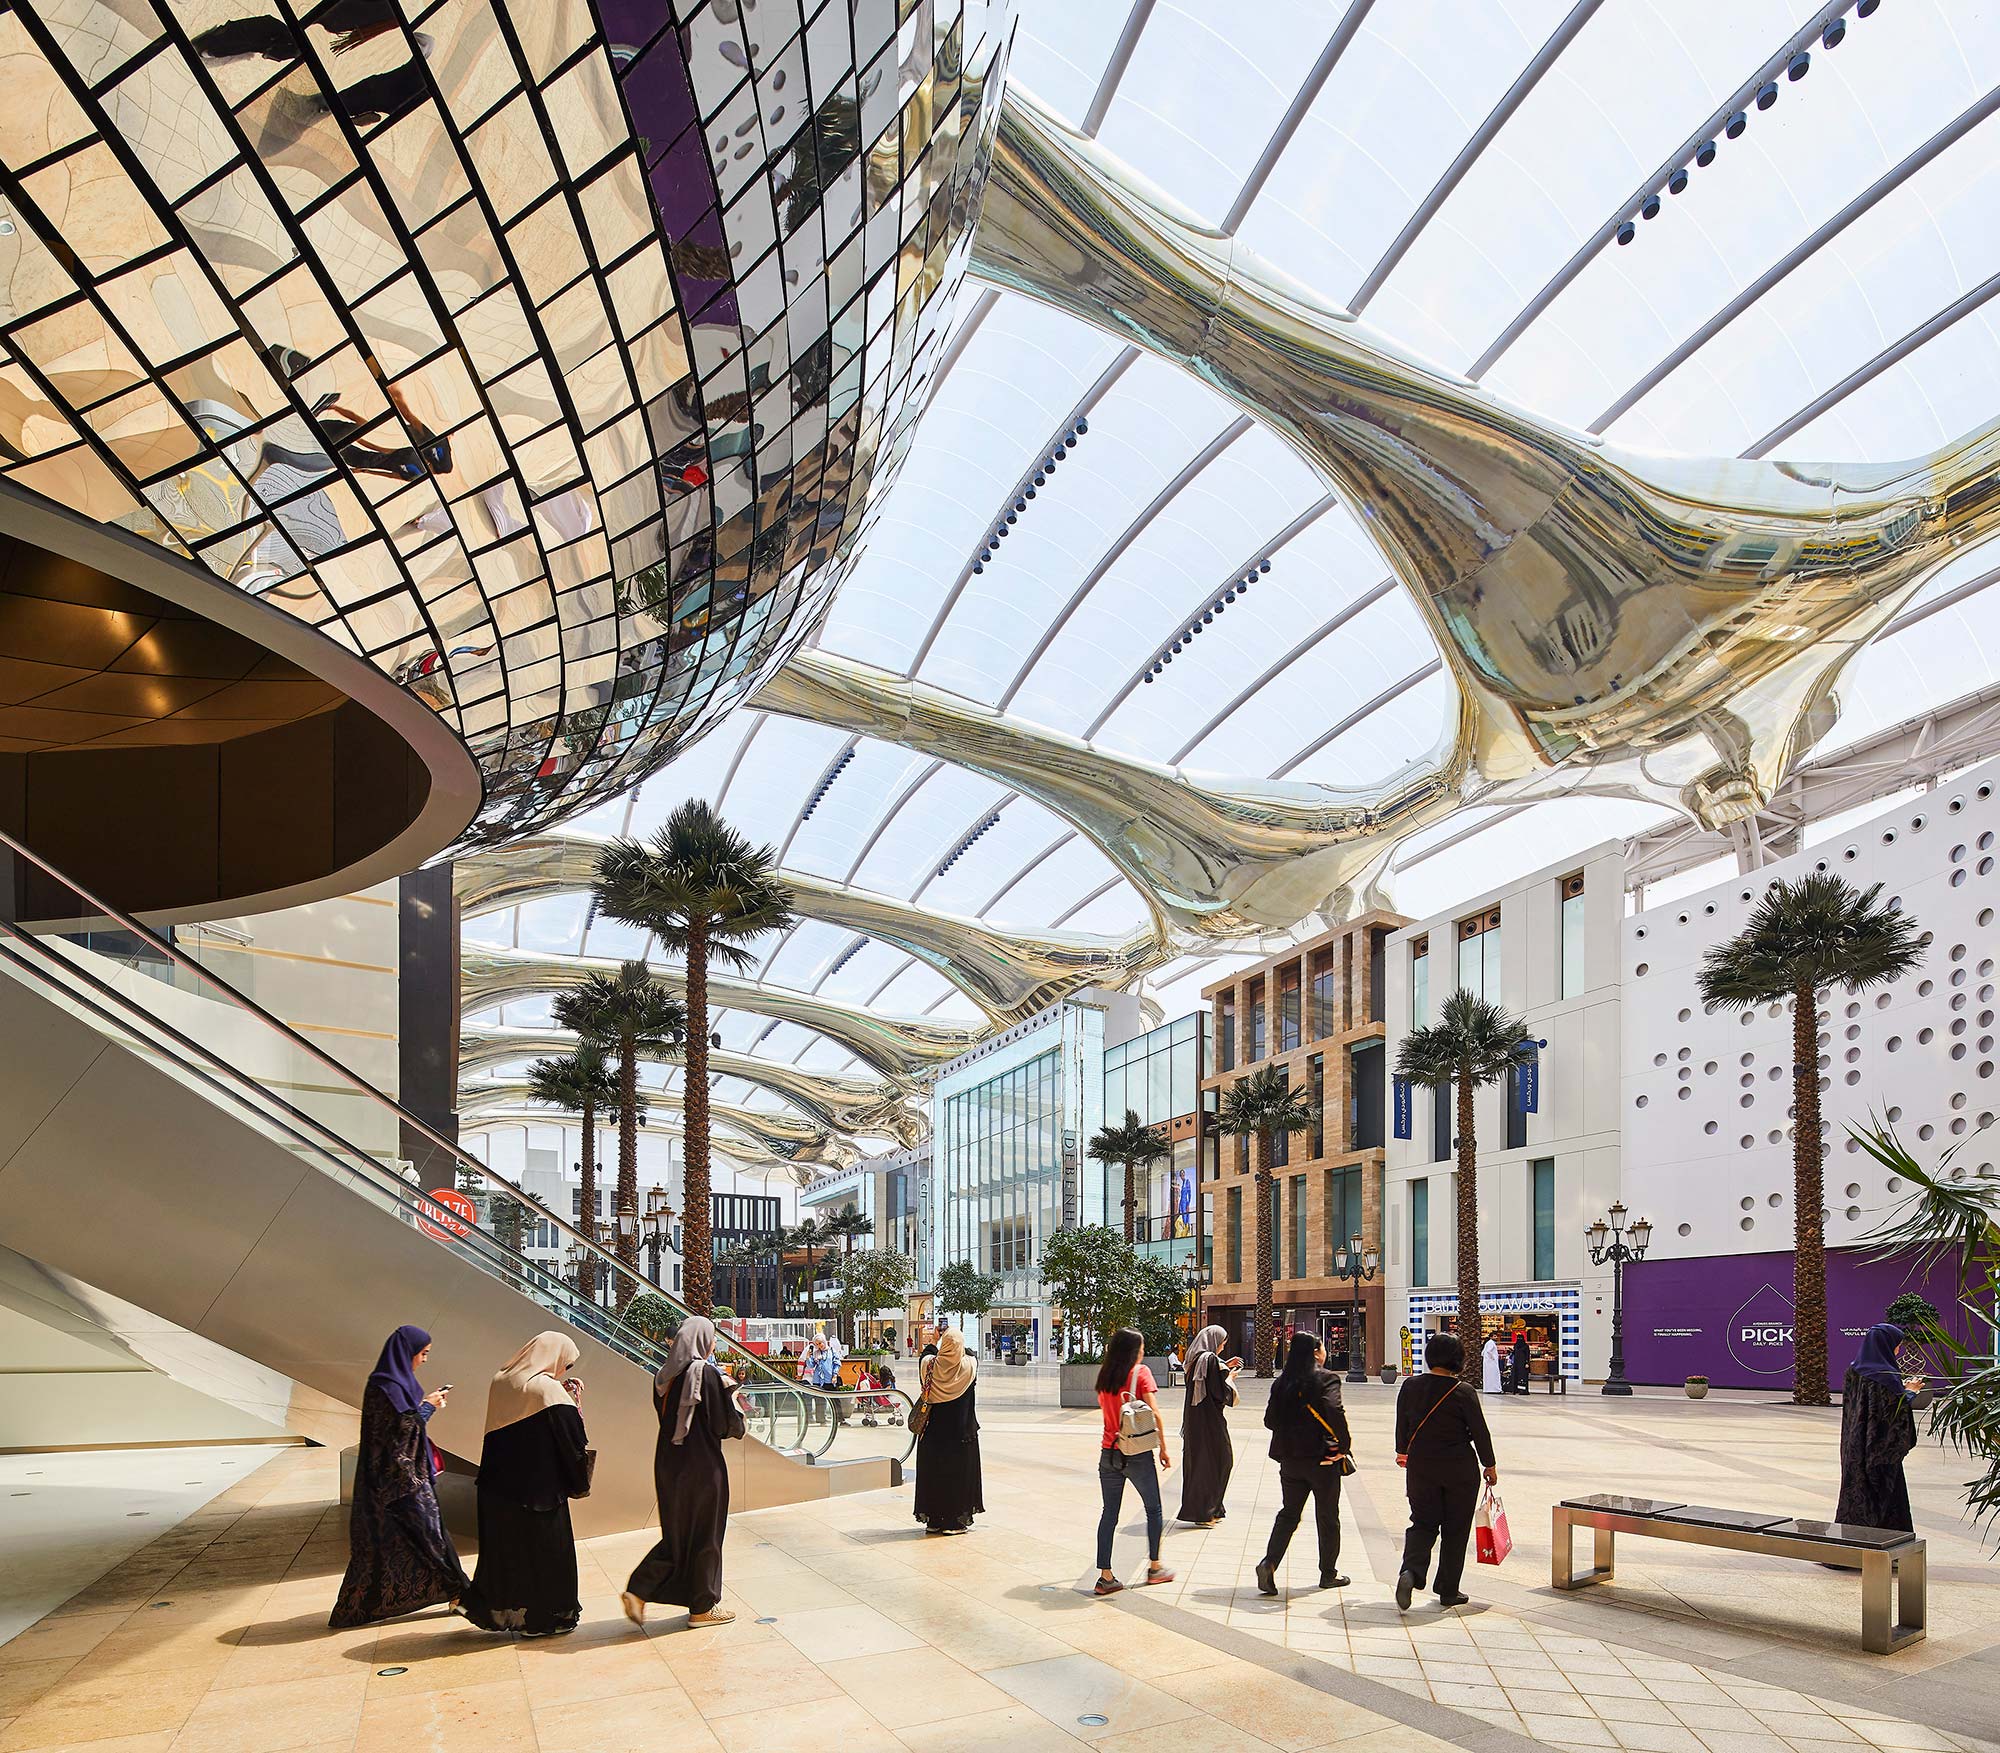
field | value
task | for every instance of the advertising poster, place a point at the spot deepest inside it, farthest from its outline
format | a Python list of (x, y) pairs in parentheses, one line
[(1730, 1317)]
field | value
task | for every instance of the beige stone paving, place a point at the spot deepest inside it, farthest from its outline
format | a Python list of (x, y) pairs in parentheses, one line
[(857, 1633)]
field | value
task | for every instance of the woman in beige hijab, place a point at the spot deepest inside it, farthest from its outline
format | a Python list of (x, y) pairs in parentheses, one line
[(949, 1489), (535, 1459)]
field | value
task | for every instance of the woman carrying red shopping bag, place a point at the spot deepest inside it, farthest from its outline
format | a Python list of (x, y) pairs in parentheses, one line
[(1442, 1443), (1491, 1541)]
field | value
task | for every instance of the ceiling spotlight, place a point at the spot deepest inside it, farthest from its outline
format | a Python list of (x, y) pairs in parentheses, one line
[(1736, 124), (1000, 532), (1057, 455), (1834, 34), (1147, 678), (1175, 646), (1767, 94), (1039, 477), (1082, 426), (1678, 181), (1031, 492), (1229, 596), (1208, 615), (1011, 516), (1704, 154), (1650, 207), (1263, 566), (979, 566), (1799, 65), (1020, 505), (1627, 232), (1867, 8)]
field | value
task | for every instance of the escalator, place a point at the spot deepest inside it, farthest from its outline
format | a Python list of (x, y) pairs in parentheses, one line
[(165, 1140)]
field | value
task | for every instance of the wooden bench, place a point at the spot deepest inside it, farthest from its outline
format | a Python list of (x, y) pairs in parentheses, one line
[(1885, 1557)]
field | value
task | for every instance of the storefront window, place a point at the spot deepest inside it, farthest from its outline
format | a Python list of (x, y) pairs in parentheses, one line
[(1288, 1007)]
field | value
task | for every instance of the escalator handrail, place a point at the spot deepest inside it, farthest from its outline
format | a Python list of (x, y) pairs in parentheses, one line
[(363, 1160)]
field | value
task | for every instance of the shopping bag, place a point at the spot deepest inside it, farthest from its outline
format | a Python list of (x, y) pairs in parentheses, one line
[(1490, 1538)]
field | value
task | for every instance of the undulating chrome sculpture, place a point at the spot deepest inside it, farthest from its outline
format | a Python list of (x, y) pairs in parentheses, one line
[(899, 1047), (550, 355), (1009, 975), (850, 1107), (501, 1101), (785, 1135), (1668, 629)]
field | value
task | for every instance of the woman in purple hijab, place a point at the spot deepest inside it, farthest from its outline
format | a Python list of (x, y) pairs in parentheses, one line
[(399, 1557)]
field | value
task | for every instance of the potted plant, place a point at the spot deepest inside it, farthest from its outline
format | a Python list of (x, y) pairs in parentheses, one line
[(1697, 1387), (1388, 1374)]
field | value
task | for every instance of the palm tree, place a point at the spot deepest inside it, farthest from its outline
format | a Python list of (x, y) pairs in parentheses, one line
[(1265, 1104), (737, 1256), (1801, 938), (1472, 1044), (844, 1226), (634, 1013), (812, 1237), (700, 888), (580, 1082), (1131, 1145)]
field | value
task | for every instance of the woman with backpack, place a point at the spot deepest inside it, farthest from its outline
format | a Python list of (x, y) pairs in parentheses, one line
[(1312, 1446), (1134, 1450)]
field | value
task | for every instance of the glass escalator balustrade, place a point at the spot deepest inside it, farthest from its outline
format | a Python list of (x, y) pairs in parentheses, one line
[(164, 1005)]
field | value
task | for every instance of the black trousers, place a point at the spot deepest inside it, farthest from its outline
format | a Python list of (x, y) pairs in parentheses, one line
[(1441, 1513), (1322, 1485)]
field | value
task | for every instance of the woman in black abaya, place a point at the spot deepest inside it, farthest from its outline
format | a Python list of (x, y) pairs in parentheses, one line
[(1878, 1427), (698, 1412), (531, 1465), (949, 1489), (399, 1557), (1206, 1455)]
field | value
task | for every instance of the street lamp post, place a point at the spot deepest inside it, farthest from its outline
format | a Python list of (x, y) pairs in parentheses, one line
[(1193, 1276), (659, 1228), (1352, 1262), (1607, 1242)]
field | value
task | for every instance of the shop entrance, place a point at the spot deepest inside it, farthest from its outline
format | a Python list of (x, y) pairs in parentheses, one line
[(1543, 1329), (1345, 1349)]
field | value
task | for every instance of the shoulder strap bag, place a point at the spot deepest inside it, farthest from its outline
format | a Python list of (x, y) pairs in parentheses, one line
[(920, 1414), (1435, 1404), (1345, 1460), (1138, 1429)]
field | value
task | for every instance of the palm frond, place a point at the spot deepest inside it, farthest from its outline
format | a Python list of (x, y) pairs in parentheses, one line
[(628, 1004), (1472, 1037), (569, 1079), (1131, 1141), (697, 877), (1816, 931), (1264, 1102)]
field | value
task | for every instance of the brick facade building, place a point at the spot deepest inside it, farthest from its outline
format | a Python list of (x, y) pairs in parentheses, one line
[(1316, 1012)]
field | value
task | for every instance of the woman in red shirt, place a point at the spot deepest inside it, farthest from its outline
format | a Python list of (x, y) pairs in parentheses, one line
[(1121, 1378)]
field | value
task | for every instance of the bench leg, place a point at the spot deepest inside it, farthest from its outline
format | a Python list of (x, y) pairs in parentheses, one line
[(1562, 1553), (1882, 1631)]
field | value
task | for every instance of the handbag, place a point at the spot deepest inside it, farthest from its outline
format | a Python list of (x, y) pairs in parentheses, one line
[(1490, 1537), (920, 1414), (1345, 1460), (1138, 1429)]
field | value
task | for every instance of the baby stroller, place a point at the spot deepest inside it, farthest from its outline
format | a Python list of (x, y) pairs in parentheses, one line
[(874, 1405)]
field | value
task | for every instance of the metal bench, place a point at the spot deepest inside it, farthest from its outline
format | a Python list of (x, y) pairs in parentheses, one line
[(1885, 1557)]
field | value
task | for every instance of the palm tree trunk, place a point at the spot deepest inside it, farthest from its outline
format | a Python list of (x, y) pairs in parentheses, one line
[(812, 1285), (846, 1314), (1809, 1384), (1129, 1201), (698, 1277), (586, 1219), (1468, 1234), (1266, 1323), (627, 1246)]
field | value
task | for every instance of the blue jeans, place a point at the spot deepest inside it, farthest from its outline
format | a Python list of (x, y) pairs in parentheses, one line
[(1113, 1472)]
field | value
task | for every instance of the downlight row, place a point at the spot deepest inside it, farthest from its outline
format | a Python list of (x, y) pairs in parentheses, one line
[(1187, 634), (1796, 68), (1043, 470)]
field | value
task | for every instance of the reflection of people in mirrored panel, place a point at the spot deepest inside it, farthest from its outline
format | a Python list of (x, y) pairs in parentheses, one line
[(349, 23)]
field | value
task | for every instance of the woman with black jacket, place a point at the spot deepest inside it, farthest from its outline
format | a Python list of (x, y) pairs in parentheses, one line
[(1440, 1429), (1309, 1438)]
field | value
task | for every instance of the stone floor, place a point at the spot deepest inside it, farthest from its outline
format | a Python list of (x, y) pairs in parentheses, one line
[(858, 1633)]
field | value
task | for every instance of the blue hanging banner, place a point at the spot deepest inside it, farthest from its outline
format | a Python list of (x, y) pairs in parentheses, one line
[(1528, 1077), (1401, 1086)]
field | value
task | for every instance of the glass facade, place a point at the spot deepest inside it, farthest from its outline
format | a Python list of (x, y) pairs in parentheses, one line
[(1542, 1216), (1255, 1050), (1343, 1210), (1420, 982), (1288, 1007), (1236, 1235), (1297, 1187), (1158, 1076), (1570, 934), (1325, 1002), (1225, 1048), (1001, 1181)]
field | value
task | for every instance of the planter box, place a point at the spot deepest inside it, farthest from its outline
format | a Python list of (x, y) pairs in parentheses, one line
[(1162, 1369), (1079, 1385), (1388, 1374)]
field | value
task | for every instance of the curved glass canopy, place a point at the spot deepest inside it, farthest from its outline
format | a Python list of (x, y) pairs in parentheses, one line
[(1819, 281)]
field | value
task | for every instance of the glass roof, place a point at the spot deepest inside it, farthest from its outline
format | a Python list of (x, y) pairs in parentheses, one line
[(1791, 289)]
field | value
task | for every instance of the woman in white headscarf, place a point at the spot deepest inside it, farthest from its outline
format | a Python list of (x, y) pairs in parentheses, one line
[(699, 1411), (1206, 1455), (1489, 1366), (950, 1490), (534, 1460)]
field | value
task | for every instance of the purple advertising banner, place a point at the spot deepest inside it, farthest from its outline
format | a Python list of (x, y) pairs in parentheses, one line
[(1729, 1317)]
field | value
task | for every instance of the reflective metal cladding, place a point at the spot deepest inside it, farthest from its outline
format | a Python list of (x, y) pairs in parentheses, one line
[(548, 355), (1009, 975), (1668, 629)]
